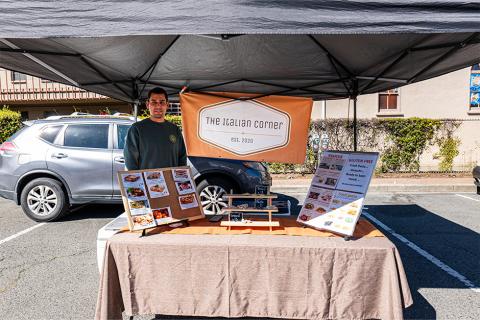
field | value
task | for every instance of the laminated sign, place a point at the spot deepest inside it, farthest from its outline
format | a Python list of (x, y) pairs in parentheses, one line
[(335, 199), (272, 128)]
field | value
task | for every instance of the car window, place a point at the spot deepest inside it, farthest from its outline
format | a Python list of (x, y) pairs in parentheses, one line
[(86, 136), (122, 135), (49, 133)]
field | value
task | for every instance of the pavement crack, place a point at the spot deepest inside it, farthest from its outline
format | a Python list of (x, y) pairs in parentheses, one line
[(20, 273)]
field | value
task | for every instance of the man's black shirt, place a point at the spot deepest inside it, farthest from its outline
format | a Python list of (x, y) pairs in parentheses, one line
[(151, 145)]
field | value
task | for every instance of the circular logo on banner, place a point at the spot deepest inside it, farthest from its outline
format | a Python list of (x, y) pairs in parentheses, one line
[(173, 139)]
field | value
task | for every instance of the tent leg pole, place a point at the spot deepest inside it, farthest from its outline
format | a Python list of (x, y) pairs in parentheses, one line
[(354, 96), (355, 124), (135, 111)]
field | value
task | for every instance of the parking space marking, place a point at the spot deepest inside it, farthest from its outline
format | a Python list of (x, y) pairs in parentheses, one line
[(16, 235), (461, 195), (469, 284)]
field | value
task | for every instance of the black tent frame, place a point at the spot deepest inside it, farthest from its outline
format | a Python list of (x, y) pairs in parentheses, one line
[(348, 78)]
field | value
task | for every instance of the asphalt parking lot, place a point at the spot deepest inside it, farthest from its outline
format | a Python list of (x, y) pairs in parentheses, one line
[(49, 271)]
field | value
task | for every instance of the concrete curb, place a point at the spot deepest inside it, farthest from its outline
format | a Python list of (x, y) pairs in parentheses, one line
[(385, 188)]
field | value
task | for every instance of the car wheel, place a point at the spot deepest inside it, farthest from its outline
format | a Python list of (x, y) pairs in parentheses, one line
[(211, 192), (478, 190), (43, 200)]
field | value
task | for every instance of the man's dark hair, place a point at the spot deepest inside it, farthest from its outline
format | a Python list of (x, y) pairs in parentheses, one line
[(158, 90)]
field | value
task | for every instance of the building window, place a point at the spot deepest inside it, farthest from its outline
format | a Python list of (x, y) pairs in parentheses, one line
[(475, 87), (388, 100), (18, 77)]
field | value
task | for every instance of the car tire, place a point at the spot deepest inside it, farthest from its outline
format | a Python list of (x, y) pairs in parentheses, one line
[(211, 190), (478, 190), (44, 199)]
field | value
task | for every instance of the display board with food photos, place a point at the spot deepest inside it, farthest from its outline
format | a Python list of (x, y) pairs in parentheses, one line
[(335, 199), (156, 197)]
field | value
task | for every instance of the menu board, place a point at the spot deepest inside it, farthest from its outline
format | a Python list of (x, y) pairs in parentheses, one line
[(335, 199), (156, 197)]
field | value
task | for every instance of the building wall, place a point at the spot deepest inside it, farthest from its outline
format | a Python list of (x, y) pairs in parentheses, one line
[(37, 98), (44, 110), (444, 97)]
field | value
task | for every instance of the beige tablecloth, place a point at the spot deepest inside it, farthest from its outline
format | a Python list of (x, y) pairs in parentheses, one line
[(252, 275)]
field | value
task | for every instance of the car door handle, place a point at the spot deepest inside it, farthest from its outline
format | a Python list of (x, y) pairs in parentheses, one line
[(119, 159), (59, 155)]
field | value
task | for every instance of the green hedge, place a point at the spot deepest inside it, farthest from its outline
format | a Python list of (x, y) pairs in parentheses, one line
[(10, 122), (169, 117), (408, 139), (400, 142), (174, 119)]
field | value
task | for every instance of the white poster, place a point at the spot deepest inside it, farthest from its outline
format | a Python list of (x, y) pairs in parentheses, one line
[(162, 215), (156, 185), (143, 221), (335, 199), (184, 187), (188, 201)]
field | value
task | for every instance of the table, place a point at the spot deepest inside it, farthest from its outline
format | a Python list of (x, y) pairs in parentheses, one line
[(252, 275)]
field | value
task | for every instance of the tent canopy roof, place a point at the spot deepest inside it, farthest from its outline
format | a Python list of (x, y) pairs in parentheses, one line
[(93, 18), (323, 49)]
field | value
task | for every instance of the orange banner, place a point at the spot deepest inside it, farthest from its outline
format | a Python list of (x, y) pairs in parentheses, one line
[(271, 128)]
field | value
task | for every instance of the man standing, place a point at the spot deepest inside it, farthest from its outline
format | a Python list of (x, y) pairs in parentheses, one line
[(154, 142)]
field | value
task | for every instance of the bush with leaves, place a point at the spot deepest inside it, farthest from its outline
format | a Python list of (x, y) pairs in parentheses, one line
[(400, 142), (448, 152), (10, 122), (448, 145), (407, 139), (169, 117)]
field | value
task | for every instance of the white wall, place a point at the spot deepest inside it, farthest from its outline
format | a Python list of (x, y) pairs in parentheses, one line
[(444, 97)]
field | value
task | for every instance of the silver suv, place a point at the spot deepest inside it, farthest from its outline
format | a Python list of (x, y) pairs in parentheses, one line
[(54, 163)]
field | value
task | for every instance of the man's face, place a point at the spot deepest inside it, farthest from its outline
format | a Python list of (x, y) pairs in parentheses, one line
[(157, 105)]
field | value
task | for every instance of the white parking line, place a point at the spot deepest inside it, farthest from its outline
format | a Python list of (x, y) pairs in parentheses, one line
[(16, 235), (469, 284), (461, 195)]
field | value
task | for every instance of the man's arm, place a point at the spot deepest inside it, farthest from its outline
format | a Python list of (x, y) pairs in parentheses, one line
[(182, 151), (131, 151)]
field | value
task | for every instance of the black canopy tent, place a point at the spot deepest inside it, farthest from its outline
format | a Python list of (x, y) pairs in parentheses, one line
[(320, 49)]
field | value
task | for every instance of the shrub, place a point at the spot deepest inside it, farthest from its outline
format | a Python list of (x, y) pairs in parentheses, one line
[(407, 139), (400, 142), (10, 122), (448, 152), (169, 117), (174, 119)]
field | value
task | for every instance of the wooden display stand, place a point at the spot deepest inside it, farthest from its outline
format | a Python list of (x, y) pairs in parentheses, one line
[(269, 209)]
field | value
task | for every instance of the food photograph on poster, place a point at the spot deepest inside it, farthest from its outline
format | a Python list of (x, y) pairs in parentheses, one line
[(162, 214), (156, 184), (188, 201), (184, 187)]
